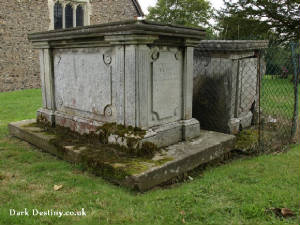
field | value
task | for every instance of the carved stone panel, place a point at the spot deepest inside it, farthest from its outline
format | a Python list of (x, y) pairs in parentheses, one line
[(83, 81), (166, 86)]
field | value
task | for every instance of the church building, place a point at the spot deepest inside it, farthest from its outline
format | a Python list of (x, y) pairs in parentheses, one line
[(19, 62)]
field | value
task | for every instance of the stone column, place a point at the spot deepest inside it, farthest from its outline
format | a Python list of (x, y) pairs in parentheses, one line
[(64, 16), (188, 83), (135, 78), (191, 126), (47, 79), (74, 14), (130, 84)]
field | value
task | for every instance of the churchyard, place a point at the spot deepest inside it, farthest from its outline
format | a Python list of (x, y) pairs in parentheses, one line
[(123, 103), (239, 192)]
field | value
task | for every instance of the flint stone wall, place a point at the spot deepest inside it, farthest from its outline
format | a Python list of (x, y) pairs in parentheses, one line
[(19, 63)]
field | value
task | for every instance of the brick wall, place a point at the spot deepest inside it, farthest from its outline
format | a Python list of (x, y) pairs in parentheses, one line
[(19, 63)]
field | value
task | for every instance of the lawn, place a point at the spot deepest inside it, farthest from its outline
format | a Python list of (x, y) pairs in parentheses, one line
[(278, 97), (235, 193)]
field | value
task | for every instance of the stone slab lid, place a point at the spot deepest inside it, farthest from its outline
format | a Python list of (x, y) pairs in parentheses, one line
[(126, 27), (232, 45)]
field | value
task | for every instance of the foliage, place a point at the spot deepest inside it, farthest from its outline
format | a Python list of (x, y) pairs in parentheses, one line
[(236, 27), (182, 12), (278, 59), (281, 17)]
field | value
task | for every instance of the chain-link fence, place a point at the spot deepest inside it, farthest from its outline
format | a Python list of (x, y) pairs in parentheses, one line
[(249, 89), (279, 96)]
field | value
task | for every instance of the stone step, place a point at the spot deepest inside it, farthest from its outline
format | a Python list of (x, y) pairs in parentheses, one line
[(137, 173)]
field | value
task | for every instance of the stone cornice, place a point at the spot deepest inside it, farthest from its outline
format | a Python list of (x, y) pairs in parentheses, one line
[(137, 28), (232, 45)]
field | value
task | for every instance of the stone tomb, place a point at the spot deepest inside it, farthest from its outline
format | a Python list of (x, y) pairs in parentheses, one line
[(133, 73), (136, 74), (226, 83)]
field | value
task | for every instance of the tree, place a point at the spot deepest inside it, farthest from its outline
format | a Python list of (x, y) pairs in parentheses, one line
[(282, 17), (182, 12), (234, 27)]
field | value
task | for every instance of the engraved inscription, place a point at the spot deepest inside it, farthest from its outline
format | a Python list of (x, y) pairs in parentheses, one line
[(166, 86)]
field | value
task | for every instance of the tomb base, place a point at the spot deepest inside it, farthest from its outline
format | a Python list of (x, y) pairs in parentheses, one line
[(235, 124), (134, 172), (162, 135)]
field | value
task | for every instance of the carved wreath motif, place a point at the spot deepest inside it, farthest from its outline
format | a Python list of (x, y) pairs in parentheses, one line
[(177, 55), (107, 59), (155, 54), (108, 111)]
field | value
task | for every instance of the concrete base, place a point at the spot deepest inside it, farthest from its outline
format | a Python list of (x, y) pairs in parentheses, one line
[(243, 122), (169, 163), (246, 120), (162, 135)]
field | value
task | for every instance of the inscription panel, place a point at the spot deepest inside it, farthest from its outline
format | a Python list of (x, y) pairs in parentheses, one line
[(83, 80), (167, 87)]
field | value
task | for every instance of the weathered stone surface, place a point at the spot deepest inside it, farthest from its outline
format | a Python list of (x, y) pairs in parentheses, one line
[(134, 73), (170, 162), (84, 83), (226, 83), (167, 86), (19, 68), (245, 121), (236, 46), (142, 29)]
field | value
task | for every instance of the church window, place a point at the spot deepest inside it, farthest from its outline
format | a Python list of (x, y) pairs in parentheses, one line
[(58, 16), (69, 16), (79, 16), (69, 13)]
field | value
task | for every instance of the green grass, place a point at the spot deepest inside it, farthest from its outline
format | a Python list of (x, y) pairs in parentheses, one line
[(235, 193), (278, 97)]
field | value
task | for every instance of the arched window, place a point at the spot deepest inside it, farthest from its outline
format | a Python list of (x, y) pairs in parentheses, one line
[(58, 17), (69, 16), (79, 16)]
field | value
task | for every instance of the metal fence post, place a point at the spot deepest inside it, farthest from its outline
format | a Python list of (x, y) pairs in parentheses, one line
[(259, 78), (295, 59)]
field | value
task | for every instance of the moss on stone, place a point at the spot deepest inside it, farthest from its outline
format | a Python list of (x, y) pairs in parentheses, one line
[(136, 166), (31, 125), (162, 161), (116, 129), (43, 122), (247, 139), (113, 162), (148, 149)]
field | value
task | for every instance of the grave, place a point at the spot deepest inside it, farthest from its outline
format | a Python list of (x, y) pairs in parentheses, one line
[(118, 97), (226, 81), (132, 73)]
